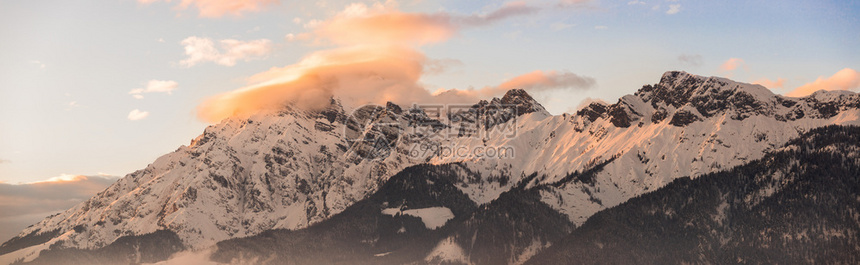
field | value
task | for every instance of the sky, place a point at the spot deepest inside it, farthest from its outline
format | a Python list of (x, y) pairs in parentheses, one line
[(105, 87)]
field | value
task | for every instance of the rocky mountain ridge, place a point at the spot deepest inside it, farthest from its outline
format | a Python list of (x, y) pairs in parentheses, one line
[(294, 168)]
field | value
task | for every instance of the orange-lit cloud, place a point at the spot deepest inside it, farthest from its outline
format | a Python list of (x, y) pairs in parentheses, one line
[(380, 24), (377, 61), (384, 24), (540, 80), (769, 83), (357, 75), (732, 64), (227, 53), (845, 79), (218, 8)]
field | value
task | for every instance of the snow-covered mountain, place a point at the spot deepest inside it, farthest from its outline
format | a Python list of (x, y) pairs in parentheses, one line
[(293, 168), (797, 205)]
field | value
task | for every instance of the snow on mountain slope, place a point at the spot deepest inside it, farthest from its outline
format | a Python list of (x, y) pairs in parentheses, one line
[(241, 177), (686, 125), (293, 168)]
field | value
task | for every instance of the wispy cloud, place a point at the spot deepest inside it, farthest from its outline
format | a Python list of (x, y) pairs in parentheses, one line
[(845, 79), (27, 203), (574, 3), (509, 9), (72, 104), (439, 66), (136, 114), (227, 52), (38, 64), (561, 26), (601, 27), (532, 81), (732, 63), (585, 102), (155, 86), (690, 59), (674, 9), (219, 8)]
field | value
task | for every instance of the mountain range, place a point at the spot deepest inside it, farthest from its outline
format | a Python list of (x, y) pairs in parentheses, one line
[(684, 170)]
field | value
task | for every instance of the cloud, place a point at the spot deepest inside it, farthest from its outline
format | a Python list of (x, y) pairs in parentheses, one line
[(691, 59), (635, 2), (298, 37), (540, 80), (380, 24), (732, 64), (507, 10), (136, 114), (845, 79), (440, 66), (534, 81), (573, 3), (560, 26), (38, 63), (155, 86), (601, 27), (357, 75), (585, 102), (674, 9), (25, 204), (226, 53), (375, 61), (219, 8), (769, 83), (385, 24)]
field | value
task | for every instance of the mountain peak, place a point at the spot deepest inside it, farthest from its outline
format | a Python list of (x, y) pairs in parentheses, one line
[(670, 77), (517, 93), (709, 96), (522, 100), (696, 85)]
